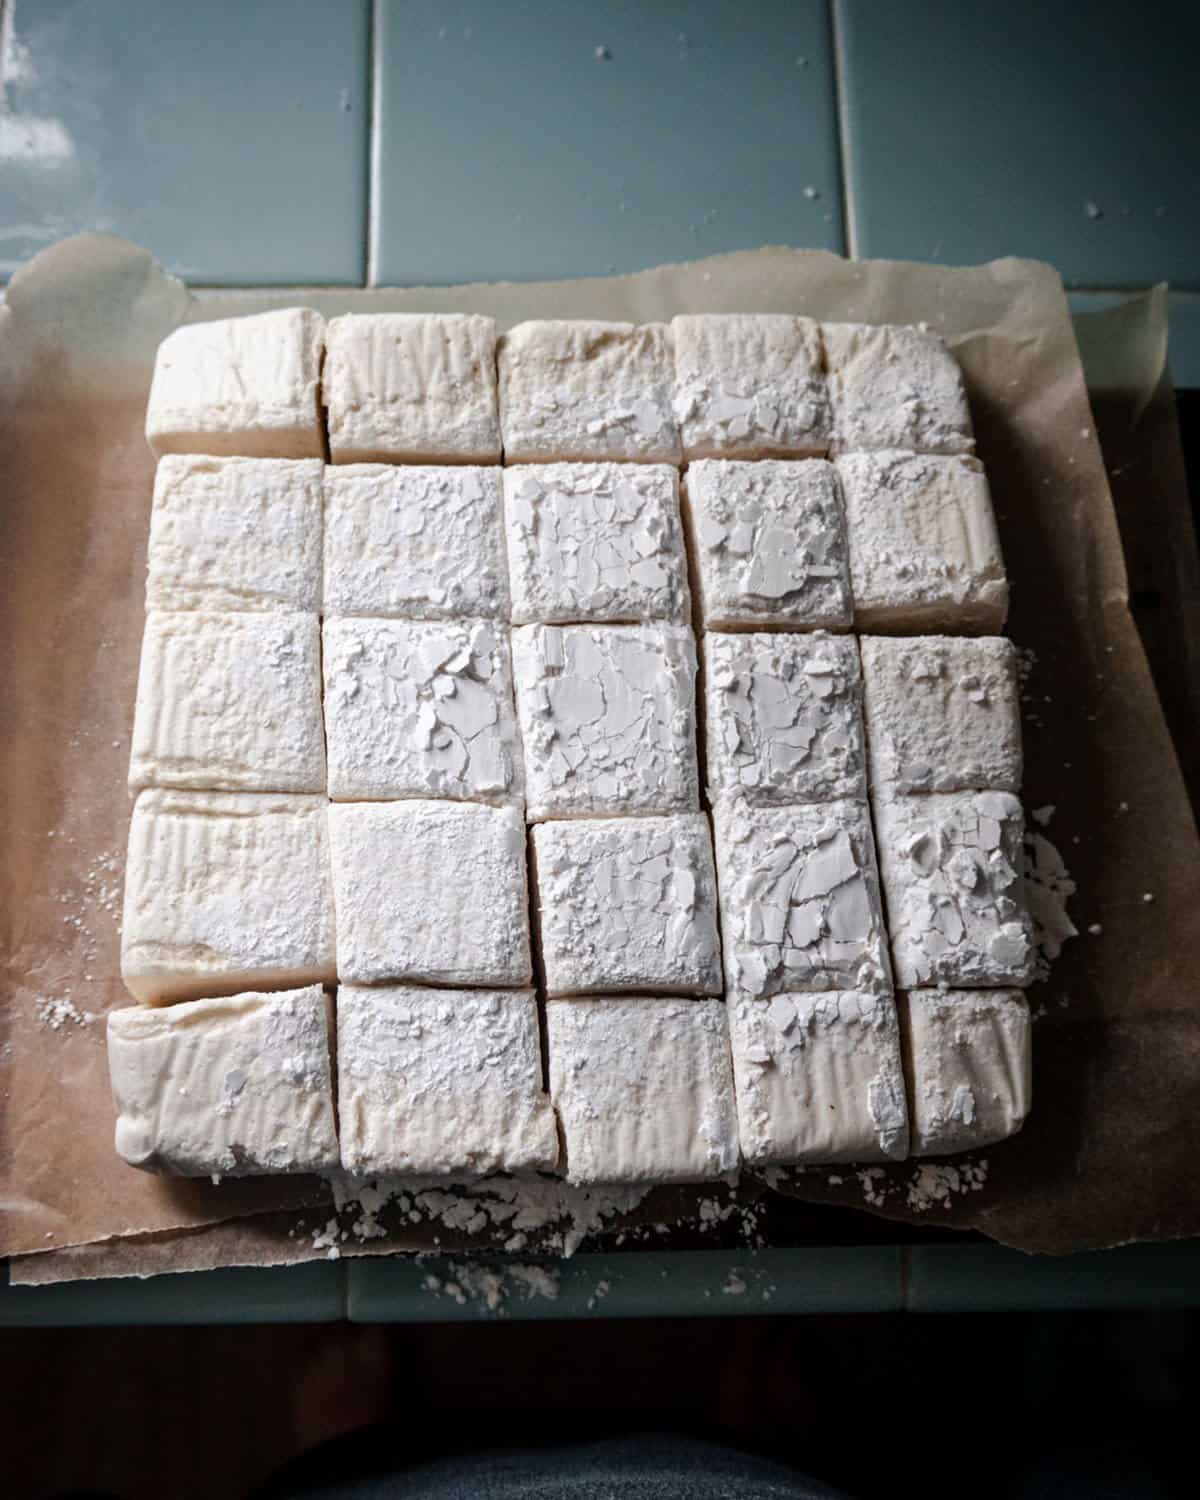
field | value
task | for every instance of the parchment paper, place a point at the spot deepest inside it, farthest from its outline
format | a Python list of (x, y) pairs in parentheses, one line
[(1111, 1151)]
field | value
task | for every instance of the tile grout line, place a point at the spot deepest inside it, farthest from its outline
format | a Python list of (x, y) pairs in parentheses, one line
[(842, 123), (374, 100)]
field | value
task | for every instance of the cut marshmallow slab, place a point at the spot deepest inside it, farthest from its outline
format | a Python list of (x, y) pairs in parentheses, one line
[(943, 713), (247, 386), (417, 708), (233, 1087), (784, 718), (415, 541), (643, 1088), (431, 892), (608, 719), (414, 388), (819, 1078), (226, 891), (442, 1083), (235, 534), (972, 1079), (750, 386), (597, 542), (951, 874), (800, 903), (628, 904), (573, 389), (895, 387), (769, 540), (229, 702), (924, 551)]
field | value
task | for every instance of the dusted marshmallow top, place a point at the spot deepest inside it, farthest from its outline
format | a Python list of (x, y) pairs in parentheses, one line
[(895, 387)]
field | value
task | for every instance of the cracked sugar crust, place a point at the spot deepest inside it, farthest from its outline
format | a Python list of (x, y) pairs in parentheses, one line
[(924, 550), (895, 387), (420, 709), (608, 719), (750, 386), (628, 904), (597, 542), (412, 388), (784, 718), (943, 713), (439, 1083), (972, 1078), (234, 1086), (769, 540), (956, 907), (246, 386), (432, 892), (819, 1078), (235, 534), (643, 1088), (229, 702), (226, 891), (800, 902), (578, 390), (417, 541)]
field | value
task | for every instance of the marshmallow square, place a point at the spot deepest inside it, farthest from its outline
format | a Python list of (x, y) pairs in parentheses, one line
[(248, 386), (895, 387), (573, 389), (628, 904), (596, 542), (420, 708), (643, 1088), (430, 892)]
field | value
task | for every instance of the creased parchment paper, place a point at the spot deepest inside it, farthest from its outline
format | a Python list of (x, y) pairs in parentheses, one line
[(1111, 1151)]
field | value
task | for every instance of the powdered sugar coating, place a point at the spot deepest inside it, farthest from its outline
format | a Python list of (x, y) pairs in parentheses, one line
[(819, 1078), (607, 717), (784, 718), (573, 389), (417, 708), (951, 872), (750, 386), (412, 388), (430, 892), (924, 551), (943, 713), (628, 904), (229, 702), (643, 1088), (800, 905), (442, 1083), (600, 542), (415, 541), (972, 1079), (769, 542), (895, 386), (226, 891), (235, 1086)]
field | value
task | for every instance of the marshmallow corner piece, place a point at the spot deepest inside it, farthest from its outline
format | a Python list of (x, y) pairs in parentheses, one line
[(582, 391), (226, 891), (430, 892), (924, 550), (628, 904), (942, 712), (643, 1087), (229, 534), (769, 540), (970, 1056), (819, 1078), (414, 388), (750, 386), (442, 1083), (233, 1086), (895, 386), (229, 702), (245, 386)]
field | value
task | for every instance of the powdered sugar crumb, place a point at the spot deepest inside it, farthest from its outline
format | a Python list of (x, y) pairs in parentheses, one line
[(59, 1012)]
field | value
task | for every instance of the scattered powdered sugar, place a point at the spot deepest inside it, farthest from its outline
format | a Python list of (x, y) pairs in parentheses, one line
[(58, 1012), (936, 1184), (492, 1286), (1048, 886)]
